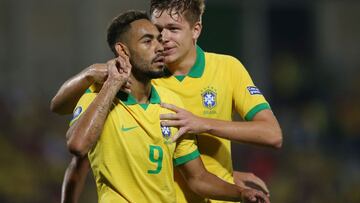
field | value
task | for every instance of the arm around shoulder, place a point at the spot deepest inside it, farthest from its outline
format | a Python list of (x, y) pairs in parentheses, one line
[(70, 92)]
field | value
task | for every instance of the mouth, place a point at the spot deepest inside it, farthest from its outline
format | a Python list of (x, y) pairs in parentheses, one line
[(159, 60), (168, 50)]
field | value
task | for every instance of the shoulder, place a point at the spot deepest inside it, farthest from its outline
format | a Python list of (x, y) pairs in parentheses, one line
[(221, 57), (221, 62), (168, 96)]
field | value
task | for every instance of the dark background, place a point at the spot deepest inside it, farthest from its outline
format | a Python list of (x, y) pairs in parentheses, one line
[(304, 56)]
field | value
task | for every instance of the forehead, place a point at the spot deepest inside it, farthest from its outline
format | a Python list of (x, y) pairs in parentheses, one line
[(142, 27), (164, 17)]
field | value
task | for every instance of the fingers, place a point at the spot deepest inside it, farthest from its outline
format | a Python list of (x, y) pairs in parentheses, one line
[(168, 116), (261, 184), (178, 134), (262, 197), (251, 181), (171, 123), (124, 63), (256, 196), (98, 72), (256, 183), (171, 107), (126, 87), (111, 66), (119, 65), (242, 185)]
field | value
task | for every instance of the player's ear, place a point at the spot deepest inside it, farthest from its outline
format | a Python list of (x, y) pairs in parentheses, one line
[(197, 30), (122, 49)]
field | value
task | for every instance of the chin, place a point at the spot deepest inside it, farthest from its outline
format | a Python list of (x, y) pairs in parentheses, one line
[(157, 73), (170, 59)]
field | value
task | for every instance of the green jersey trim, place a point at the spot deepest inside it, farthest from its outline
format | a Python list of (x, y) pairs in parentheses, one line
[(250, 115), (88, 91), (129, 99), (197, 69), (180, 77), (184, 159)]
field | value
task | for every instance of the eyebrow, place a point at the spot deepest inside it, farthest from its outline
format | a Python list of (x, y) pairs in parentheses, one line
[(168, 25), (147, 36), (172, 25), (151, 36)]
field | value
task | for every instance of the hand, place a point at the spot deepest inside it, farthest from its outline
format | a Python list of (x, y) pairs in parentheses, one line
[(182, 119), (251, 195), (119, 72), (249, 180), (97, 73), (125, 67)]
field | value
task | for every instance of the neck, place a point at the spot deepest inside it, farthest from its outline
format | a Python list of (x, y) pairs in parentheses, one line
[(140, 89), (183, 65)]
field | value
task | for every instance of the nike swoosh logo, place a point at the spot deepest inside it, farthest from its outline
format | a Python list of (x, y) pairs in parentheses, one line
[(127, 129)]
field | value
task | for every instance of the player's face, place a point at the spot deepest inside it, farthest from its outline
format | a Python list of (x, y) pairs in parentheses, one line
[(146, 49), (177, 35)]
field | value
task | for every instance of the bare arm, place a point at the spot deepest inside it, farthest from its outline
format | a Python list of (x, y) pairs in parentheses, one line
[(208, 185), (70, 92), (74, 179), (264, 129), (83, 134)]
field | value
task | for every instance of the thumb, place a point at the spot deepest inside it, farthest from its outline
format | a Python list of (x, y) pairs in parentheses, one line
[(111, 65)]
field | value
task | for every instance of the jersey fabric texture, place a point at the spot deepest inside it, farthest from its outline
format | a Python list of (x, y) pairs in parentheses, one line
[(215, 86), (133, 159)]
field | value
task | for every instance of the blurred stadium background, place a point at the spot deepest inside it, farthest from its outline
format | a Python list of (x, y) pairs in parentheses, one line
[(304, 55)]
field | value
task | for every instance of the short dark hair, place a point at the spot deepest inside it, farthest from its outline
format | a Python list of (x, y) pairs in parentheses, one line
[(191, 9), (121, 24)]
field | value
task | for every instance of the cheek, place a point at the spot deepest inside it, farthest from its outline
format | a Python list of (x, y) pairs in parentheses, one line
[(184, 38)]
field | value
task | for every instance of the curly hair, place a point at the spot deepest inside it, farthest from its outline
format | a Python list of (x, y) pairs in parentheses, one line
[(121, 24), (191, 9)]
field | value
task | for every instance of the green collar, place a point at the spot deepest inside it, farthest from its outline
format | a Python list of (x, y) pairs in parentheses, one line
[(197, 69), (129, 99)]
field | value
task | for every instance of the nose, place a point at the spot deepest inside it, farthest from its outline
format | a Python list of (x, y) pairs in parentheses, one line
[(159, 46), (165, 35)]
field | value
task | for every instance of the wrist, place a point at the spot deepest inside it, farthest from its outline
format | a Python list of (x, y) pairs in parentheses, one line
[(114, 83), (207, 127), (89, 75), (240, 191)]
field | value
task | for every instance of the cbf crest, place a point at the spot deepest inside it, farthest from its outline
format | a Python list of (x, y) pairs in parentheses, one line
[(166, 133), (209, 97)]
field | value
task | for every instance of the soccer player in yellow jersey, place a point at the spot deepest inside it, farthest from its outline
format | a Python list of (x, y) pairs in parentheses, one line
[(211, 87), (130, 153)]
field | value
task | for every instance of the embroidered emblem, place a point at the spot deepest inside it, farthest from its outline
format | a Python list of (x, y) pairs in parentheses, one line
[(166, 132), (77, 112), (209, 98)]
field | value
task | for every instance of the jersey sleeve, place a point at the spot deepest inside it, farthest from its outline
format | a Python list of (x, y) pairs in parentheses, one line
[(247, 98), (94, 88), (82, 105), (186, 150)]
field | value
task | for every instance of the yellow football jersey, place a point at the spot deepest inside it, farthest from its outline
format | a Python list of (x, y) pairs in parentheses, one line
[(215, 86), (133, 159)]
